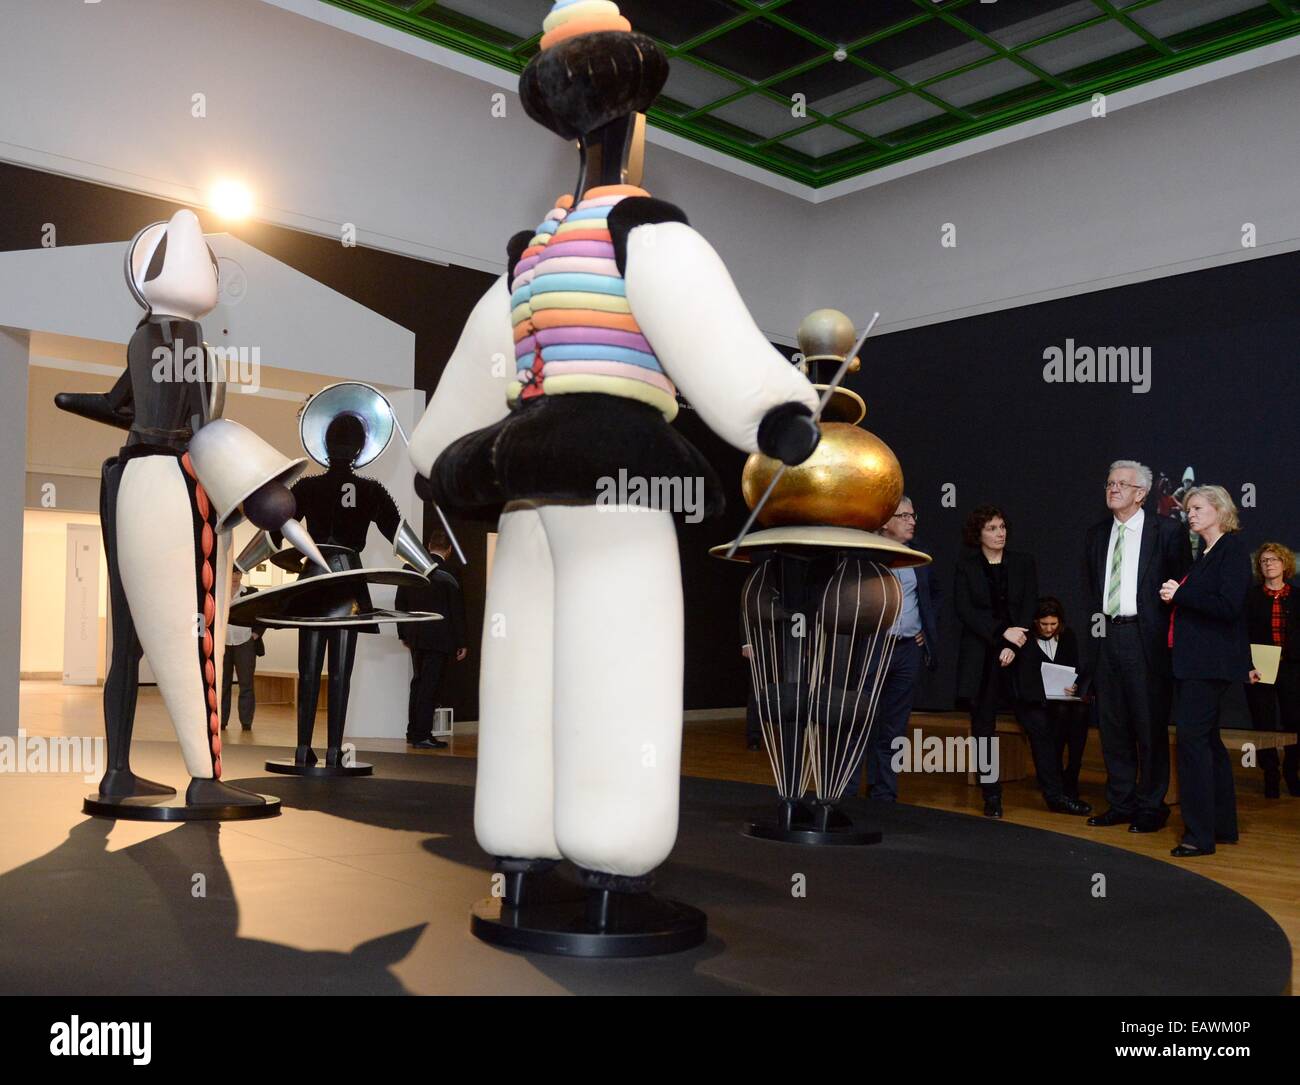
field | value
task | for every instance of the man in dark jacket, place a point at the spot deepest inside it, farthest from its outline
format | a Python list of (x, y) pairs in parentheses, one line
[(431, 643), (916, 644), (1127, 557)]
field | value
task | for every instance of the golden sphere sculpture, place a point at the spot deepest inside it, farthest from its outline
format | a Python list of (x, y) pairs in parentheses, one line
[(852, 479)]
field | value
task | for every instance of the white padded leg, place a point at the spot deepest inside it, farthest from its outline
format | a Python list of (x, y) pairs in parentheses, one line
[(513, 799), (157, 560), (618, 685)]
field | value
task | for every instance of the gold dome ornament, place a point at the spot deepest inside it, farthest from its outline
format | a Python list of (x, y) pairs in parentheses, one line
[(852, 479)]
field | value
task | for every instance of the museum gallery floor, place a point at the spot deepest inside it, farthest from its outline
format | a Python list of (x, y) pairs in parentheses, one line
[(364, 886)]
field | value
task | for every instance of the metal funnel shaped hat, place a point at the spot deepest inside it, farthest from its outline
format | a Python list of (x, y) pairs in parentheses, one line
[(353, 399), (233, 462)]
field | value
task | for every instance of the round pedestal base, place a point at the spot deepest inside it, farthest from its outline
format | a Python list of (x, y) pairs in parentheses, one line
[(174, 808), (289, 767), (770, 830), (822, 824), (634, 925)]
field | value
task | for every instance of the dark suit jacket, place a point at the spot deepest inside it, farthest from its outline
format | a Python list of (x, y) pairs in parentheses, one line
[(1210, 639), (928, 595), (1165, 554), (1259, 619), (442, 595), (973, 602), (1030, 660)]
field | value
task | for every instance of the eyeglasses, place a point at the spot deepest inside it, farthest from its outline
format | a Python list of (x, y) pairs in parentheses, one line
[(904, 516), (1123, 486), (1270, 560)]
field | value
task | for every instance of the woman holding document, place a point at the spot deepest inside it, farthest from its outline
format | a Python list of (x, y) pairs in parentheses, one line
[(1053, 643), (1211, 654), (1273, 622)]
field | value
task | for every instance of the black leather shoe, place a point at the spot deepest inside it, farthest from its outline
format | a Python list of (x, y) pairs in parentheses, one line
[(992, 808), (428, 744), (1148, 823), (1066, 805), (245, 726), (1225, 839), (1110, 817), (223, 724), (1187, 851)]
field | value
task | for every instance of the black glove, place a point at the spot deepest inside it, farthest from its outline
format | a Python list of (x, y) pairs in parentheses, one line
[(423, 487), (788, 433)]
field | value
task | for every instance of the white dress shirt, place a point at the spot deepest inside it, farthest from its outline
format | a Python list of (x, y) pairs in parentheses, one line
[(1128, 583), (1048, 647)]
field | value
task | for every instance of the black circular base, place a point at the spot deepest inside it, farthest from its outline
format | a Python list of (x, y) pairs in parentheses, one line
[(639, 926), (772, 830), (289, 767), (174, 808)]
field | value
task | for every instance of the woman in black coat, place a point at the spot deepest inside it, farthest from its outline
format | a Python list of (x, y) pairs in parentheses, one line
[(995, 594), (1273, 617), (1211, 654)]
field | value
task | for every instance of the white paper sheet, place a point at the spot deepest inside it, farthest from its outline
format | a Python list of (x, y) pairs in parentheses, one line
[(1055, 680)]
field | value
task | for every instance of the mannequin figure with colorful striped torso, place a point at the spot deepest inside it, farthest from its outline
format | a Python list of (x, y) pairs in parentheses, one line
[(567, 374)]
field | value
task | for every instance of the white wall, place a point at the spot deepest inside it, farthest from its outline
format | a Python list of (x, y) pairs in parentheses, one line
[(1155, 189), (13, 478), (329, 127)]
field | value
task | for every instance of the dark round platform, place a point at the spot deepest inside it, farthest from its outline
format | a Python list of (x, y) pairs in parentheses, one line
[(771, 830), (817, 824), (640, 925), (287, 766), (174, 808)]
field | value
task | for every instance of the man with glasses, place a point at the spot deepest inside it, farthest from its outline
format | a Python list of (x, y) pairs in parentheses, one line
[(1127, 557), (916, 641)]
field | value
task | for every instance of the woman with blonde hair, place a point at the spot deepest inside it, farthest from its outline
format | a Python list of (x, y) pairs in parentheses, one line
[(1273, 617), (1211, 654)]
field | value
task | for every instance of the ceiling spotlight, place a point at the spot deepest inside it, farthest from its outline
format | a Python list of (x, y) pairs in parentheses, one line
[(841, 54), (230, 200)]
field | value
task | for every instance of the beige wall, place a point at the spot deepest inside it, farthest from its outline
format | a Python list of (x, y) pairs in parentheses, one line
[(45, 556)]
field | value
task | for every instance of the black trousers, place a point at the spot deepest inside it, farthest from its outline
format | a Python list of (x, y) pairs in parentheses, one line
[(1069, 726), (893, 710), (1277, 708), (1207, 795), (1033, 718), (1133, 721), (426, 668), (241, 660)]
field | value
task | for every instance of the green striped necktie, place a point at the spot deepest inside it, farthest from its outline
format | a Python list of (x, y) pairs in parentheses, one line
[(1116, 574)]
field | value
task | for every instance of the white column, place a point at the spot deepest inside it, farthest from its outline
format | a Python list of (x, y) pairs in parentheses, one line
[(13, 474)]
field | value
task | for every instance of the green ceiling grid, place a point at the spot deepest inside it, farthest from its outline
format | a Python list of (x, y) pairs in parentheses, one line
[(429, 20)]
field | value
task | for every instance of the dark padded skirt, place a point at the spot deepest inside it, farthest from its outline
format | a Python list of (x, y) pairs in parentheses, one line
[(565, 448)]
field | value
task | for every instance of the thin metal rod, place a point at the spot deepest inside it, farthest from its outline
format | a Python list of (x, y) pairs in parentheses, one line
[(821, 406), (445, 526)]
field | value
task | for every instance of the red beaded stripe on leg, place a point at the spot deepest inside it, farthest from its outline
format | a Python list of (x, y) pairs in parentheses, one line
[(208, 578)]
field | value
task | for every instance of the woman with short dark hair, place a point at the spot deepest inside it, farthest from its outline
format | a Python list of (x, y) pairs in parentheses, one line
[(995, 595), (1273, 617)]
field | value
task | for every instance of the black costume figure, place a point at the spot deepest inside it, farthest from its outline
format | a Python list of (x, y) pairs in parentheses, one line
[(340, 506)]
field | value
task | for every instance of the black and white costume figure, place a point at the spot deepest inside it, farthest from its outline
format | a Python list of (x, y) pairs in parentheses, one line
[(608, 308), (339, 506), (166, 501)]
